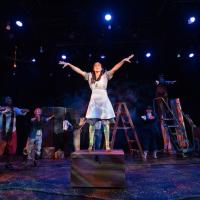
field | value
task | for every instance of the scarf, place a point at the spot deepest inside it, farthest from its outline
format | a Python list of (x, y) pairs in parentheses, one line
[(7, 135)]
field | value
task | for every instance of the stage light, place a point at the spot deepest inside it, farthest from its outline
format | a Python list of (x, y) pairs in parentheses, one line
[(148, 55), (108, 17), (191, 55), (178, 55), (109, 27), (191, 20), (41, 49), (102, 56), (8, 27), (19, 23), (33, 60), (64, 57)]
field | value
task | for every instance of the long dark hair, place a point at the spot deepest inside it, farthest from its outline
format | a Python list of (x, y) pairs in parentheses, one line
[(94, 79)]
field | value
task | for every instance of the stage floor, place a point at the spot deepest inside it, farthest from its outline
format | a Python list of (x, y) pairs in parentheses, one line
[(165, 178)]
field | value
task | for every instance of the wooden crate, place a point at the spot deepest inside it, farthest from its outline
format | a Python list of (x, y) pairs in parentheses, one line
[(98, 169)]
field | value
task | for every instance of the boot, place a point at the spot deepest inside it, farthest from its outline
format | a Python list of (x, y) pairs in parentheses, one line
[(145, 155), (107, 136), (8, 164), (91, 136), (155, 154)]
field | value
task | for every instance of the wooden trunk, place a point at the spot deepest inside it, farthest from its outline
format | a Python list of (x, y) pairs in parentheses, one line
[(98, 169)]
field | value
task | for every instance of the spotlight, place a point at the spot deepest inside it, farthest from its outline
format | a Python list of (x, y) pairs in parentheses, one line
[(8, 27), (33, 60), (178, 55), (108, 17), (102, 56), (148, 55), (19, 23), (64, 57), (41, 49), (109, 27), (191, 20), (191, 55)]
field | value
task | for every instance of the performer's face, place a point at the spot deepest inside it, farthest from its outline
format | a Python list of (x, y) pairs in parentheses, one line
[(8, 101), (149, 111), (37, 112), (97, 67)]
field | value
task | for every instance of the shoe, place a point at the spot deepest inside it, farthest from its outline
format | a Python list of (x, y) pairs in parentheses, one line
[(108, 149), (37, 157), (145, 155), (155, 154), (9, 166), (25, 164), (35, 163), (90, 149)]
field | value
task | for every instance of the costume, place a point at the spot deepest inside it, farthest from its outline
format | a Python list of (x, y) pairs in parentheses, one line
[(99, 108), (149, 134), (8, 134), (97, 136), (34, 141)]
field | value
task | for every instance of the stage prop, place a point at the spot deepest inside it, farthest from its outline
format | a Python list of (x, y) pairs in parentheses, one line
[(124, 122), (98, 169), (172, 125), (55, 126), (48, 153)]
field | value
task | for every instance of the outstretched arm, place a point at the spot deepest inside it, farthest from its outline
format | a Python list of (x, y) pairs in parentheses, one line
[(165, 82), (49, 118), (118, 65), (74, 68), (19, 111)]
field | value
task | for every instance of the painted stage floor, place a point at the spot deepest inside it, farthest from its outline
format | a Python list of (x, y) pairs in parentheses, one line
[(165, 178)]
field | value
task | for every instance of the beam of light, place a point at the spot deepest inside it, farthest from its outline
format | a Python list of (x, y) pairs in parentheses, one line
[(148, 55), (19, 23), (191, 55), (102, 56), (191, 20), (108, 17), (64, 57)]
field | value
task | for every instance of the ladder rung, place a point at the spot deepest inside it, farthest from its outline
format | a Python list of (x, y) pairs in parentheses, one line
[(131, 141), (123, 128), (172, 126), (134, 150), (174, 133), (125, 122)]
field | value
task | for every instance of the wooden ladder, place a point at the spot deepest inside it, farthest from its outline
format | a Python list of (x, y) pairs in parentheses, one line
[(122, 113)]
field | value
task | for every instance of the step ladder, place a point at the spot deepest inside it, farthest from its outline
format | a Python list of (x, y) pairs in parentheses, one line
[(172, 124), (195, 134), (122, 113)]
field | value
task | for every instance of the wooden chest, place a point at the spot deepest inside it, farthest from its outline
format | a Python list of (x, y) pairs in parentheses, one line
[(98, 169)]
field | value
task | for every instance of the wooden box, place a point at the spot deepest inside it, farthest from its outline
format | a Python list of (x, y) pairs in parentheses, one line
[(98, 169), (48, 153)]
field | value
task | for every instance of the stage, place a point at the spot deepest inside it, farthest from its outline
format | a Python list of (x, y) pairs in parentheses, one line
[(165, 178)]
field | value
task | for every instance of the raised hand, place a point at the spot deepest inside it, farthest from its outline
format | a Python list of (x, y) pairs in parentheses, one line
[(128, 58), (25, 110), (64, 64)]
